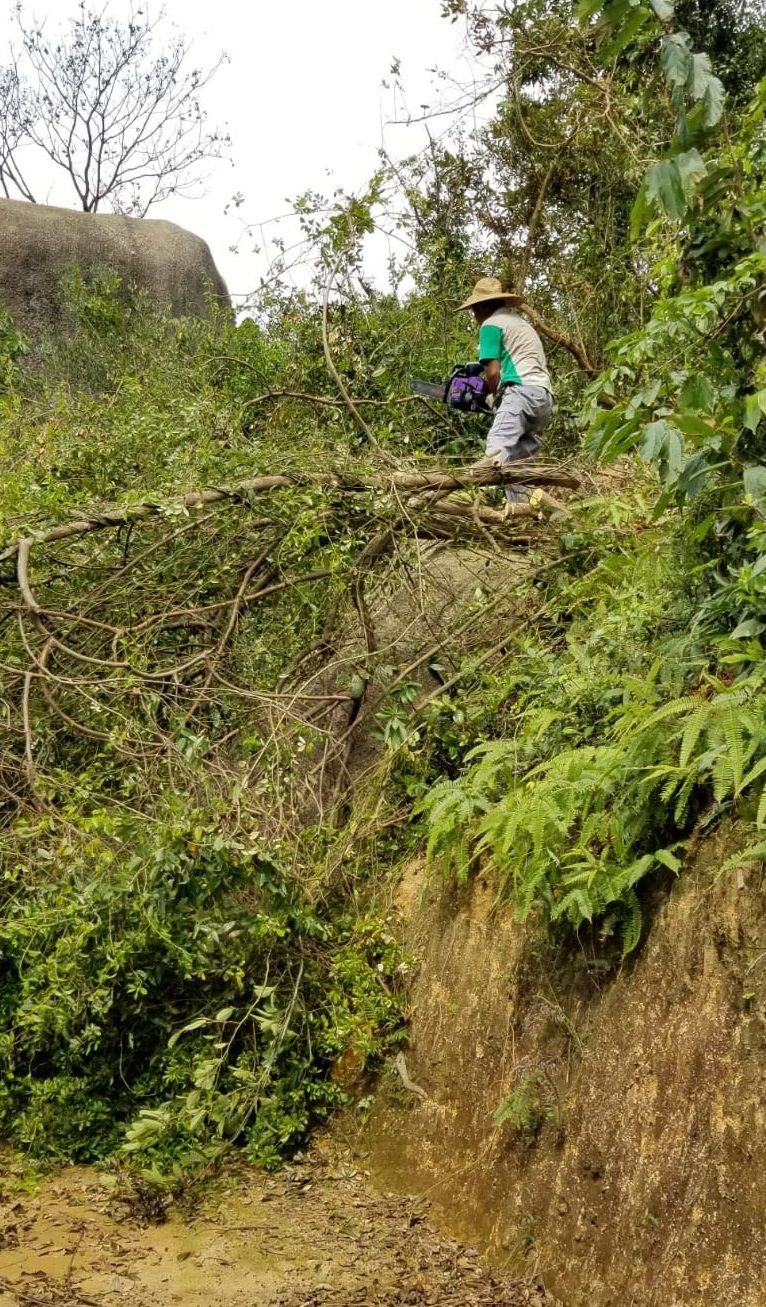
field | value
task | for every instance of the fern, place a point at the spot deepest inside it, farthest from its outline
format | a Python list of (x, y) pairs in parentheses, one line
[(694, 728), (632, 922), (752, 776)]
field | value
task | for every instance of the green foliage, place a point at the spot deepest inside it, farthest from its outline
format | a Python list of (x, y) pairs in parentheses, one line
[(695, 93), (167, 989), (186, 942), (526, 1109), (568, 810), (620, 741), (574, 810), (170, 981), (13, 347), (686, 391)]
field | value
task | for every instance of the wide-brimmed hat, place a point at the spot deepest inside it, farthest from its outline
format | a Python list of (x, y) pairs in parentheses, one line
[(490, 288)]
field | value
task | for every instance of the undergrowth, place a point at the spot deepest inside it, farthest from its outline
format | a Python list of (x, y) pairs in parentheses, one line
[(167, 990), (173, 979), (576, 801)]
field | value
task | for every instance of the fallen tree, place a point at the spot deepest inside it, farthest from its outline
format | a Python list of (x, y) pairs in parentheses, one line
[(433, 482), (197, 690), (172, 661)]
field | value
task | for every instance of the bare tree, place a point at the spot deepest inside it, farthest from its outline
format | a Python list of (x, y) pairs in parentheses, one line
[(15, 121), (117, 112)]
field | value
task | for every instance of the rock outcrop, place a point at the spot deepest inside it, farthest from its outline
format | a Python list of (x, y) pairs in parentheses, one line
[(38, 243)]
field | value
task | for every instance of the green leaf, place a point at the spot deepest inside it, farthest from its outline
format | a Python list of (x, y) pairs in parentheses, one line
[(692, 425), (755, 409), (696, 93), (691, 169), (615, 13), (197, 1024), (587, 8), (662, 444), (752, 775), (636, 19), (655, 434), (697, 393), (694, 474), (631, 930), (699, 76), (754, 479), (663, 183), (676, 59), (715, 99), (668, 860), (747, 629), (672, 182)]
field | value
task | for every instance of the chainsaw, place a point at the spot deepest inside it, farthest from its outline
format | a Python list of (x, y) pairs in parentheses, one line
[(465, 389)]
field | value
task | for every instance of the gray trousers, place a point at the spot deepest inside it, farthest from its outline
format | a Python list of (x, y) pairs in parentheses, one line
[(517, 429)]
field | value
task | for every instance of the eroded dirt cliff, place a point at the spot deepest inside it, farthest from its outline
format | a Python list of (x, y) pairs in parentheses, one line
[(631, 1164)]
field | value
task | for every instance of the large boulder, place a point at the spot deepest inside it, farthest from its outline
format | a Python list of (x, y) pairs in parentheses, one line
[(38, 243)]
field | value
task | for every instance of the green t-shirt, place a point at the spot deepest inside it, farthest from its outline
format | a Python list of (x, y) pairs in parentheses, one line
[(517, 347), (492, 346)]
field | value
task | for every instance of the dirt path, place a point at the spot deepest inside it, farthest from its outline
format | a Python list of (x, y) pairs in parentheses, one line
[(317, 1235)]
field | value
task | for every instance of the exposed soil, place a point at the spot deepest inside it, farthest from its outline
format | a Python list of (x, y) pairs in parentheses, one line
[(317, 1235), (635, 1168)]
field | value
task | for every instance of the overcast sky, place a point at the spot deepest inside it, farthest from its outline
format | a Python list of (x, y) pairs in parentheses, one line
[(302, 97)]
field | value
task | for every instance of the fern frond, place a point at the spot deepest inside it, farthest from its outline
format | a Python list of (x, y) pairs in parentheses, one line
[(751, 777), (682, 801), (632, 923), (733, 736), (675, 708), (753, 853), (760, 819), (575, 905), (633, 873), (695, 725)]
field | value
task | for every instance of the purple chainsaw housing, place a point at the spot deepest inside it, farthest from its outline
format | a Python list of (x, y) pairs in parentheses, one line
[(467, 388)]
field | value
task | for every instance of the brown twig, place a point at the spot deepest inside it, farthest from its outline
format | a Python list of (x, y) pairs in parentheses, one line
[(228, 630), (29, 756), (334, 373), (560, 338), (328, 401)]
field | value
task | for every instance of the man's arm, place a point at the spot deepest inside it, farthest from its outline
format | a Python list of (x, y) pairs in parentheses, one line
[(490, 353), (492, 374)]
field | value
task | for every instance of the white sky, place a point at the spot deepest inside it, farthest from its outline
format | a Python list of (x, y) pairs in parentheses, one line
[(302, 98)]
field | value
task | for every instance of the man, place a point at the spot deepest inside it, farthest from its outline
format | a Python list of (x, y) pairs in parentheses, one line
[(517, 375)]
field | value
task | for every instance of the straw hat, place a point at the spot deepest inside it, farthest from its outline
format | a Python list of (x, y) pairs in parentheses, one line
[(490, 288)]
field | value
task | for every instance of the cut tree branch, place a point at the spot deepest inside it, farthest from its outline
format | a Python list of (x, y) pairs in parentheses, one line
[(414, 482)]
